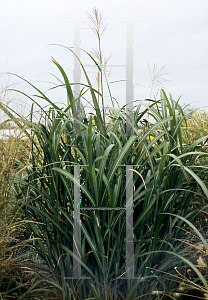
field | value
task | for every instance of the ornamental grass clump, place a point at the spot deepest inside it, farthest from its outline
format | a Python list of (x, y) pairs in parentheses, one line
[(165, 188), (165, 194)]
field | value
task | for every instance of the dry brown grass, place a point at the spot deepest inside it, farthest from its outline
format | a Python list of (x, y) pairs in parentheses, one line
[(11, 228), (197, 126)]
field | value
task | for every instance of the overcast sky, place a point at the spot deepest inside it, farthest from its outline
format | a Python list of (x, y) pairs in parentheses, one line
[(169, 33)]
